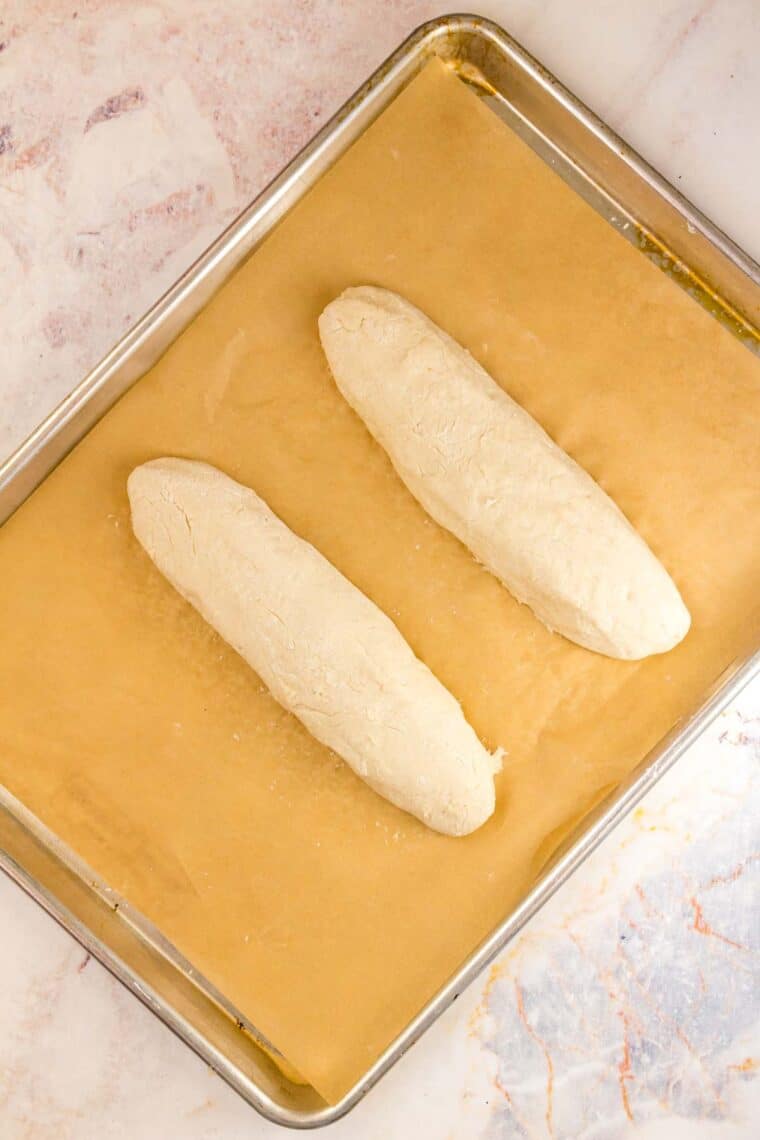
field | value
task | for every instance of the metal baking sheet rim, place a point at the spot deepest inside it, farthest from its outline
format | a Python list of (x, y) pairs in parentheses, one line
[(131, 357)]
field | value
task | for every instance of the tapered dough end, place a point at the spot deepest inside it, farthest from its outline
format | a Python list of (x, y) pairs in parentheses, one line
[(652, 631), (464, 814)]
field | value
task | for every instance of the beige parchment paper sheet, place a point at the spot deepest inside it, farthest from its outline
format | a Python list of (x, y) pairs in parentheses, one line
[(325, 914)]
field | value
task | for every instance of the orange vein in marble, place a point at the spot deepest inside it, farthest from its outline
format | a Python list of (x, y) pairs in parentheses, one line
[(669, 1022), (547, 1057), (625, 1072), (732, 876), (496, 971), (748, 1065), (646, 902), (701, 926)]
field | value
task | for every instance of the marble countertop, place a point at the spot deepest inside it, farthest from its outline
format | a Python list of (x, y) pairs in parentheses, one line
[(130, 134)]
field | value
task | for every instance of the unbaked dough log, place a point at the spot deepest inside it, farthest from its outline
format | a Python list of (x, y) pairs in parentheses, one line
[(324, 650), (485, 470)]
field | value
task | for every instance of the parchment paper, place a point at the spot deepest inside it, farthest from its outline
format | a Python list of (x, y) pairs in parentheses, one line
[(325, 914)]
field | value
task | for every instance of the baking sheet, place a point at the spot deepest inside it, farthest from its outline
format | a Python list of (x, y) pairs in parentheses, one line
[(326, 915)]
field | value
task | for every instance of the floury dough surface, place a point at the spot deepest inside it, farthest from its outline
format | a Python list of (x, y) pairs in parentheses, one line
[(488, 472), (324, 651), (324, 913)]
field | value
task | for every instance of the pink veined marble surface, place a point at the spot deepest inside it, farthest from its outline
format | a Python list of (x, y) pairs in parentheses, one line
[(130, 134)]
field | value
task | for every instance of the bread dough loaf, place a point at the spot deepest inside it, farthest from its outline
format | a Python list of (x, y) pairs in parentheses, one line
[(324, 650), (485, 470)]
